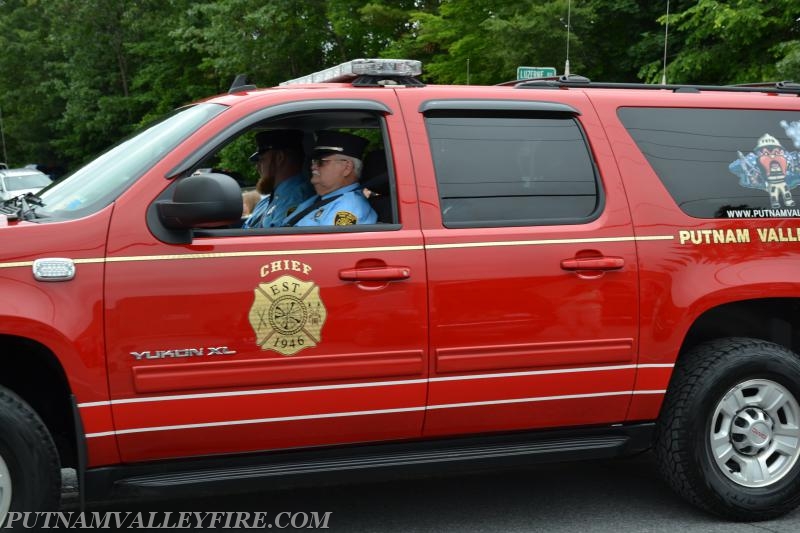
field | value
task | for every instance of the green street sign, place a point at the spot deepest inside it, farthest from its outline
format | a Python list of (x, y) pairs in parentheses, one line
[(529, 73)]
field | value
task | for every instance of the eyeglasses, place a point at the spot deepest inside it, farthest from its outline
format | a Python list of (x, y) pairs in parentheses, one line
[(321, 162)]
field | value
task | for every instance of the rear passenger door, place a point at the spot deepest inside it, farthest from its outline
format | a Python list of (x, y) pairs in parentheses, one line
[(531, 264)]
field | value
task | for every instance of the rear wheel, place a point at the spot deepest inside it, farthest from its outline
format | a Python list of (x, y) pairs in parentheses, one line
[(5, 491), (30, 474), (728, 438)]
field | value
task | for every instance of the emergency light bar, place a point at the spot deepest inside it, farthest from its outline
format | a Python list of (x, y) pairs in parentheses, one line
[(389, 68)]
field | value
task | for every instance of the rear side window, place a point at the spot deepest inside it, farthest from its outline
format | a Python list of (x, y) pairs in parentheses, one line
[(722, 163), (508, 170)]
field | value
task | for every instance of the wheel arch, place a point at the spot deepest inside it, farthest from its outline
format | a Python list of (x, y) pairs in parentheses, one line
[(32, 371), (771, 319)]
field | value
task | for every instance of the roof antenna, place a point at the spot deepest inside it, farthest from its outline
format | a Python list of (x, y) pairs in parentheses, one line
[(666, 36), (240, 84), (569, 15)]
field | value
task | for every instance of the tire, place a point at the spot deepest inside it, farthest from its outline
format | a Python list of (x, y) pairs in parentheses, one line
[(728, 437), (30, 472)]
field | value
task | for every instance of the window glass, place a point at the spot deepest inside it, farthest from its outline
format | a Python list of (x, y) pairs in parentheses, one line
[(364, 205), (97, 184), (722, 163), (34, 180), (511, 170)]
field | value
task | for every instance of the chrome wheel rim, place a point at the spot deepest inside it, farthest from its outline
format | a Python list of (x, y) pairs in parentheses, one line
[(755, 433), (5, 491)]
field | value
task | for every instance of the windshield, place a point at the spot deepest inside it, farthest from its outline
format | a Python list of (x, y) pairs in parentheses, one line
[(97, 184), (26, 181)]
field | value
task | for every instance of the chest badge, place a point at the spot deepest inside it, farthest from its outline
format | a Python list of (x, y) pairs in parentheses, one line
[(287, 315)]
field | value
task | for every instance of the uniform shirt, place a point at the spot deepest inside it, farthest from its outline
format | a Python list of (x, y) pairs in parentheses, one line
[(271, 210), (349, 207)]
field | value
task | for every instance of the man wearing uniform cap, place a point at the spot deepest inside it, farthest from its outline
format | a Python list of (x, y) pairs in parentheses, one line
[(279, 160), (335, 169)]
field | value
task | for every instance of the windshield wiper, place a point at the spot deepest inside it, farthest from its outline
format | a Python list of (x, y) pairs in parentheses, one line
[(22, 207)]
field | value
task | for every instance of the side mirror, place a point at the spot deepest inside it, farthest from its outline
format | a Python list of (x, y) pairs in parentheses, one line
[(202, 201)]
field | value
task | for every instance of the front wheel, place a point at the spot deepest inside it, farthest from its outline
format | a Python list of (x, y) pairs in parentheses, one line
[(30, 474), (728, 437)]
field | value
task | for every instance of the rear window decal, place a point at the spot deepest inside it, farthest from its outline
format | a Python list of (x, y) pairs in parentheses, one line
[(771, 167)]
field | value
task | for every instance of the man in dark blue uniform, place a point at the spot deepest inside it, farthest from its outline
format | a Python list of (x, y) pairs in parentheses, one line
[(335, 169), (283, 183)]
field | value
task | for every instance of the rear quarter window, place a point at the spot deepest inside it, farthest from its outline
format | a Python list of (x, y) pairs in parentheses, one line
[(722, 163)]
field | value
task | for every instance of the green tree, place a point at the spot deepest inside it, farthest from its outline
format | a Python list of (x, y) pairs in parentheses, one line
[(30, 104), (731, 41), (116, 69), (495, 38), (77, 75), (362, 28), (270, 41)]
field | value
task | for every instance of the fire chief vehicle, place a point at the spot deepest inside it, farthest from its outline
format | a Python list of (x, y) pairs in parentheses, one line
[(560, 269)]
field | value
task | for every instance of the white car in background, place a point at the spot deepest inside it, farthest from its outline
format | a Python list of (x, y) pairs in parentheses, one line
[(19, 181)]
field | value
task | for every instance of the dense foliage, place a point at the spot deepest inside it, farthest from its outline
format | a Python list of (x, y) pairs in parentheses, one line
[(77, 75)]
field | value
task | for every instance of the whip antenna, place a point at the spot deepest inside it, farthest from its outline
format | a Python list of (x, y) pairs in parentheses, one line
[(666, 36), (569, 14)]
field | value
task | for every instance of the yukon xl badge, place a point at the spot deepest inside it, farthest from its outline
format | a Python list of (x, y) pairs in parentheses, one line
[(182, 352), (287, 315)]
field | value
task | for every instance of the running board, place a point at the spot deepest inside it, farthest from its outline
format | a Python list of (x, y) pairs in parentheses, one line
[(471, 455), (366, 462)]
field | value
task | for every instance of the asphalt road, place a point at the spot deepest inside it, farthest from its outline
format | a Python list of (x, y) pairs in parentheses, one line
[(623, 495)]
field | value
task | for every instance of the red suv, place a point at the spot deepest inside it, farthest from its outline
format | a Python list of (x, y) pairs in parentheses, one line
[(560, 269)]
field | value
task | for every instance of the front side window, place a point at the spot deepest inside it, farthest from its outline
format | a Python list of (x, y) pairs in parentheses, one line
[(312, 171), (507, 170), (722, 163), (97, 184)]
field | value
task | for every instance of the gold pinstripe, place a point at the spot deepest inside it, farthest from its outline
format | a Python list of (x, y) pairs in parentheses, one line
[(548, 241), (262, 253)]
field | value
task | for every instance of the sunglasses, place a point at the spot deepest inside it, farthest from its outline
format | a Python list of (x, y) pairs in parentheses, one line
[(321, 162)]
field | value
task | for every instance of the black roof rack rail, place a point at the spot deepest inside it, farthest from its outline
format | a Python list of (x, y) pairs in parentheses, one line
[(781, 87)]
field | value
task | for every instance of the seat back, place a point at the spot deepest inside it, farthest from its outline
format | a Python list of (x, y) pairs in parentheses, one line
[(375, 177)]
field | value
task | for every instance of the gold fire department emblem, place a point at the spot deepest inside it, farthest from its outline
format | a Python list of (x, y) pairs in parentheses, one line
[(287, 315)]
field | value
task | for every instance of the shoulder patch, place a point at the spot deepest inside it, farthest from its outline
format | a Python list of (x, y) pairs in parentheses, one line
[(345, 218)]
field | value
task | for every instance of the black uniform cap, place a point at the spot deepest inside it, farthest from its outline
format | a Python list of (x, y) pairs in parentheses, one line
[(277, 140), (335, 142)]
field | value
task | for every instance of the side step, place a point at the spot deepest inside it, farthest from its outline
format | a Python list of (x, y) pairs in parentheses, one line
[(366, 461), (469, 454)]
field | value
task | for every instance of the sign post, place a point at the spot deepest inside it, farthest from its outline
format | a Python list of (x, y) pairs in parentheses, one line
[(530, 73)]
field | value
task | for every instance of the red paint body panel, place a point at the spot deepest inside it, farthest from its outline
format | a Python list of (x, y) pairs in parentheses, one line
[(66, 318), (680, 282)]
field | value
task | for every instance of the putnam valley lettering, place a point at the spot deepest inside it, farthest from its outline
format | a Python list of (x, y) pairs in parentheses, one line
[(738, 236)]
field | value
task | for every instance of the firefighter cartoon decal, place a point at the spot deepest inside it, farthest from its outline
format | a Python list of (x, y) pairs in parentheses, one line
[(771, 167), (287, 315)]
